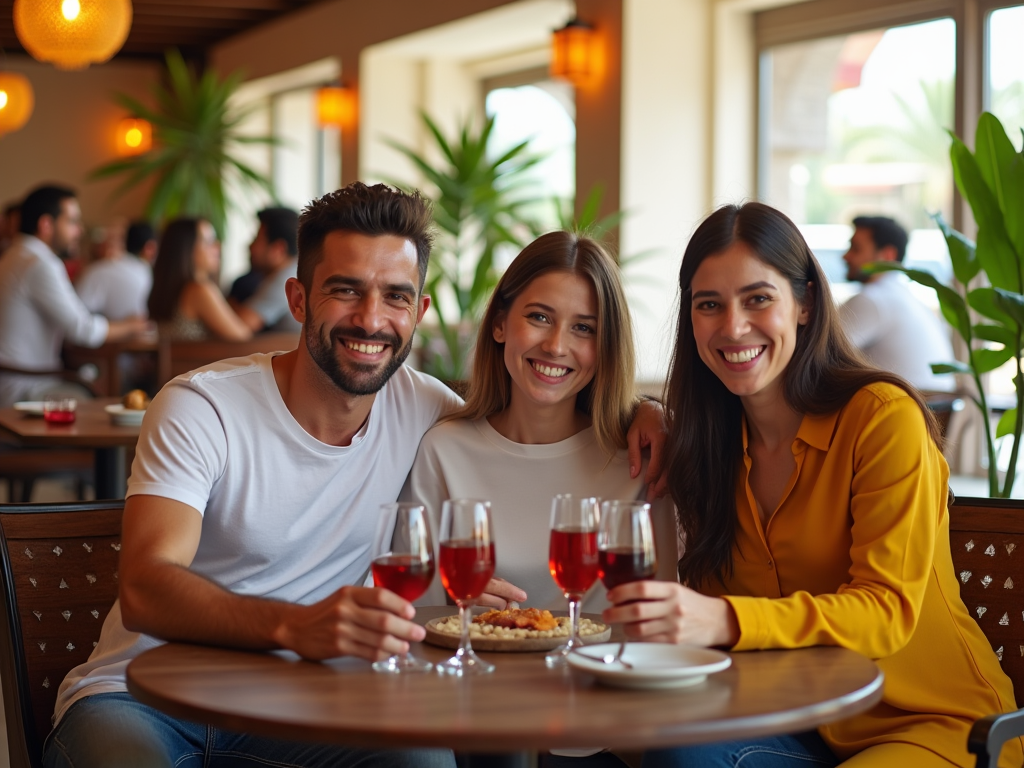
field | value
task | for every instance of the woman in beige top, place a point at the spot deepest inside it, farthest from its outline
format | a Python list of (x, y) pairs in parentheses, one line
[(185, 298)]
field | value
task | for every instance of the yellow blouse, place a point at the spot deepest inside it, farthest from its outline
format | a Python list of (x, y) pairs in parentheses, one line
[(857, 555)]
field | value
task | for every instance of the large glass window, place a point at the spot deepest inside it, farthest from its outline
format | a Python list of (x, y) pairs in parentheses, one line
[(1005, 69), (306, 163), (856, 124)]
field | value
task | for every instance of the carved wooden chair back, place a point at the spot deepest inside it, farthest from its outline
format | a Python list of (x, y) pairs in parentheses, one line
[(58, 566), (987, 542)]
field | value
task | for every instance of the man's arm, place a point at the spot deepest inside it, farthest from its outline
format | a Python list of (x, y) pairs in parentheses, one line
[(160, 596), (250, 317)]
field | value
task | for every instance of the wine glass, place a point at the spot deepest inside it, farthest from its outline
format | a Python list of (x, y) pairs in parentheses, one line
[(467, 564), (407, 570), (625, 543), (572, 560)]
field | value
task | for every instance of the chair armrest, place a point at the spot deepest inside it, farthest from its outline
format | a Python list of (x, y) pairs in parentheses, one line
[(990, 733)]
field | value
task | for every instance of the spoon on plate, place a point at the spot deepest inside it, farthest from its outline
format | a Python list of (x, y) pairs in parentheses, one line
[(610, 658)]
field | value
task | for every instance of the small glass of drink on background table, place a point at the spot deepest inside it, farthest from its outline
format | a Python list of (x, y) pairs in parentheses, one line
[(573, 560), (59, 410), (407, 570), (467, 564)]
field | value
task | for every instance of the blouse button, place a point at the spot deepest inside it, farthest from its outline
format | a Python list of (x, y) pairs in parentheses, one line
[(771, 565)]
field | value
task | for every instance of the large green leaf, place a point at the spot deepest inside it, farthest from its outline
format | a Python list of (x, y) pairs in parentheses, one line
[(961, 252), (996, 333), (986, 360), (954, 367), (1003, 170), (983, 301), (1011, 303), (1007, 423)]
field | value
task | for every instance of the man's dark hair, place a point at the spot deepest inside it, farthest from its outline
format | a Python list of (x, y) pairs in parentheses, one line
[(42, 201), (374, 211), (884, 231), (139, 233), (281, 224)]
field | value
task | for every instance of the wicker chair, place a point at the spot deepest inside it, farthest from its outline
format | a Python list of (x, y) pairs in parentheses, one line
[(58, 567), (987, 541)]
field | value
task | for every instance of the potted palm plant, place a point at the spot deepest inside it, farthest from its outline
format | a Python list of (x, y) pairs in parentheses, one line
[(196, 139), (991, 179)]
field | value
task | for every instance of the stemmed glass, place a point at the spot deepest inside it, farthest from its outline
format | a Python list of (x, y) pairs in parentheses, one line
[(625, 543), (467, 564), (572, 559), (407, 570)]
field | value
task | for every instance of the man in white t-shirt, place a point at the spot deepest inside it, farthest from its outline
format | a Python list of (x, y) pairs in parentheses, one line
[(894, 330), (117, 284), (254, 498)]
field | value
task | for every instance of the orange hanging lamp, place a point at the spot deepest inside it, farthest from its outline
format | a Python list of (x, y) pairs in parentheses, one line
[(17, 101), (572, 52), (72, 34), (335, 106)]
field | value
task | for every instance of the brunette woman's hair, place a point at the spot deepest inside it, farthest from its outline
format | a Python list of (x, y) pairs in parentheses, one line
[(705, 448), (610, 397), (174, 268)]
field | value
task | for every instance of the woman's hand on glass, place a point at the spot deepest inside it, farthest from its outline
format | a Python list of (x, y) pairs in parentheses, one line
[(649, 430), (666, 612), (499, 593)]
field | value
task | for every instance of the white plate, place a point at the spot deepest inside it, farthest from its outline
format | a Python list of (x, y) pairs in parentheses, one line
[(30, 407), (655, 665), (124, 417)]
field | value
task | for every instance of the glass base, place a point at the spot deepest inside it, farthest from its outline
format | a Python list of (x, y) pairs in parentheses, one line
[(402, 665), (465, 662)]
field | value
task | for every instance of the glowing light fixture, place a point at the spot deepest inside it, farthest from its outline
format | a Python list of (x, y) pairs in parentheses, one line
[(72, 34), (16, 101), (572, 52), (335, 106), (134, 137)]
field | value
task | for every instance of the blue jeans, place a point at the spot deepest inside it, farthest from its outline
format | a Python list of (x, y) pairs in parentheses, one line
[(111, 730), (801, 750)]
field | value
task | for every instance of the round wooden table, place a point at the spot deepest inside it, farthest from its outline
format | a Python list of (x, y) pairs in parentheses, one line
[(523, 706)]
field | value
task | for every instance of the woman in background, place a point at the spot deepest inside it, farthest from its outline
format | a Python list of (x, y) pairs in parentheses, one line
[(812, 498), (186, 300)]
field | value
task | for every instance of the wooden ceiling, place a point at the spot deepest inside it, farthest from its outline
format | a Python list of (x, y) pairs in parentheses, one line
[(190, 25)]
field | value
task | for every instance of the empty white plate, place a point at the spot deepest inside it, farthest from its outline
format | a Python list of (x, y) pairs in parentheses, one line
[(655, 665), (124, 417), (30, 407)]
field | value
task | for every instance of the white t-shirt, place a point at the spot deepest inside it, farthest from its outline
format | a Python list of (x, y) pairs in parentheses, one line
[(116, 288), (285, 516), (470, 459), (898, 333), (38, 310)]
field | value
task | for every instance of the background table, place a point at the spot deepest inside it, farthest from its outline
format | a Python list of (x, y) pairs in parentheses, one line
[(522, 706), (92, 429)]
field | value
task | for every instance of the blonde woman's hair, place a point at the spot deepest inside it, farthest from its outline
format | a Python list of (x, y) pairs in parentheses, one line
[(610, 397)]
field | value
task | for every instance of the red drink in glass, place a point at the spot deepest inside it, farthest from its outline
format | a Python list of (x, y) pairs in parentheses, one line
[(407, 576), (59, 417), (572, 559), (466, 567), (623, 564)]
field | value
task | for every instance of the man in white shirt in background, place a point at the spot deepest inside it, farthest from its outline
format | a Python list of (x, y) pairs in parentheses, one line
[(274, 254), (39, 308), (117, 284), (894, 330)]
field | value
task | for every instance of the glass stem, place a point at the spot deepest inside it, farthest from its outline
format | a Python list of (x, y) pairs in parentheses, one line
[(574, 621), (464, 619)]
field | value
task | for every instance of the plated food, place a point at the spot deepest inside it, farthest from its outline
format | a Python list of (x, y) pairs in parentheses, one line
[(515, 629), (136, 400)]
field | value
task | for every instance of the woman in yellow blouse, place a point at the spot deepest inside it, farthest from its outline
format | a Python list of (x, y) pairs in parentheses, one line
[(812, 496)]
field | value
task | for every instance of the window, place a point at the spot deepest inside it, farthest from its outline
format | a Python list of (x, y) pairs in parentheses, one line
[(856, 124), (1005, 69)]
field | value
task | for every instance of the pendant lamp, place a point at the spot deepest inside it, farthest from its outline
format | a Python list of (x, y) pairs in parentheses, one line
[(72, 34), (16, 101)]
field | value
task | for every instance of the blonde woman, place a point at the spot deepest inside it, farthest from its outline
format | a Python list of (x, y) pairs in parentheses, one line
[(550, 400)]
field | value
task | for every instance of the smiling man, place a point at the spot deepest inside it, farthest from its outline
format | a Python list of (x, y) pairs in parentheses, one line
[(253, 504)]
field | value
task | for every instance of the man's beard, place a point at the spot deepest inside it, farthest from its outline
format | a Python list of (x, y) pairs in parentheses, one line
[(358, 379)]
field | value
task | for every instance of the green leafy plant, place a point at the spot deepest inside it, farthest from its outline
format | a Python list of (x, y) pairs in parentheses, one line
[(481, 202), (195, 136), (991, 179)]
